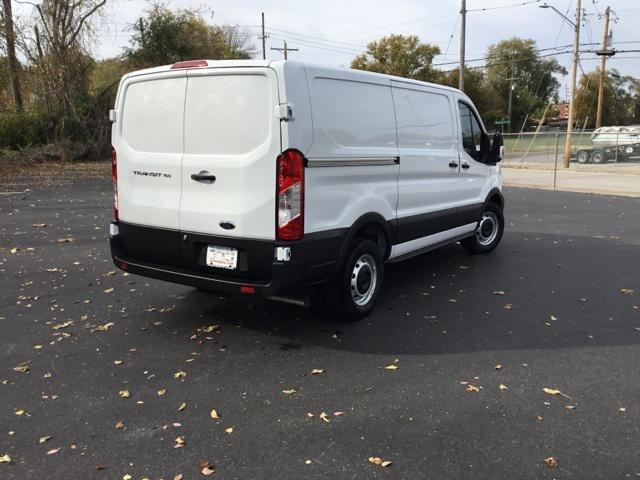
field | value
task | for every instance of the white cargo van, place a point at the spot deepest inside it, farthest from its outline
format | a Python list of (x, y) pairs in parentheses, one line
[(271, 177)]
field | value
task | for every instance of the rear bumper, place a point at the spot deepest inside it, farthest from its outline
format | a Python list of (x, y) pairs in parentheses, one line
[(312, 263)]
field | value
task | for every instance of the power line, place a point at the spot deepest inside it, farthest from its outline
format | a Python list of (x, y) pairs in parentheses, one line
[(521, 4)]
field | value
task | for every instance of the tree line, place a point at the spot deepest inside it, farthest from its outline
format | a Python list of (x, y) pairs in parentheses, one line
[(59, 94)]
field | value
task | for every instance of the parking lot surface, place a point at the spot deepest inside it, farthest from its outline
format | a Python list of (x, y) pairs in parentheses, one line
[(104, 375)]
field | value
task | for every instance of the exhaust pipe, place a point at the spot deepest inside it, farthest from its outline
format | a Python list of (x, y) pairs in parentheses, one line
[(303, 302)]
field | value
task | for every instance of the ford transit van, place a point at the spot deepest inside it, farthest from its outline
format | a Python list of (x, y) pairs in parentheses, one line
[(275, 177)]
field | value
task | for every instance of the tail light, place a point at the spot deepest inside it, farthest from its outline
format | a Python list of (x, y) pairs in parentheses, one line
[(114, 178), (290, 206)]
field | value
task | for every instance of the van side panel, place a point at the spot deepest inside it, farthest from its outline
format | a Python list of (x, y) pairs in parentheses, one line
[(429, 190), (353, 163), (297, 132)]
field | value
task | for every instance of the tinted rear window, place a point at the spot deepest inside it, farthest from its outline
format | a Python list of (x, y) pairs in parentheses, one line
[(152, 118), (227, 114)]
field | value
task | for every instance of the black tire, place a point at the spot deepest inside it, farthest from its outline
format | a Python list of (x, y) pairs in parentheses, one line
[(598, 156), (365, 258), (582, 156), (483, 240)]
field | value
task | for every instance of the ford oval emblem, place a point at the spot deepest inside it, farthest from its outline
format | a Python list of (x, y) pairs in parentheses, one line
[(227, 225)]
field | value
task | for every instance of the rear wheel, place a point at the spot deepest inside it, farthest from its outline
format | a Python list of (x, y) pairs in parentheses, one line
[(597, 156), (583, 156), (488, 232), (356, 288)]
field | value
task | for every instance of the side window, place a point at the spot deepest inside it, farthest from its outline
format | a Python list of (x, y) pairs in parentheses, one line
[(471, 131)]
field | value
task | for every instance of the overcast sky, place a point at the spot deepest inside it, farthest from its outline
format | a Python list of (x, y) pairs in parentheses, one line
[(334, 31)]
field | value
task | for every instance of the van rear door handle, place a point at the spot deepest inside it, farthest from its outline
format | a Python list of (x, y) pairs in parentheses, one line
[(453, 164), (465, 165), (203, 176)]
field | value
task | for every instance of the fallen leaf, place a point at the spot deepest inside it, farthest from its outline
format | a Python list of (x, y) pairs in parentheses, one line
[(324, 417), (626, 291), (337, 414), (229, 430), (179, 442), (119, 425), (498, 367), (65, 240), (53, 451), (20, 412), (570, 407), (127, 477), (508, 306), (622, 409), (391, 367), (5, 458), (62, 325), (552, 462), (316, 371), (124, 393), (472, 388), (553, 391), (503, 387), (14, 250), (103, 328), (498, 292), (289, 392), (207, 470), (378, 461), (179, 374), (44, 439), (178, 477), (162, 392), (22, 367), (215, 415), (182, 407), (109, 290)]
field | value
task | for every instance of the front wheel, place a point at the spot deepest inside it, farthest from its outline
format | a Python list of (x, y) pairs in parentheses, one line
[(356, 288), (488, 232)]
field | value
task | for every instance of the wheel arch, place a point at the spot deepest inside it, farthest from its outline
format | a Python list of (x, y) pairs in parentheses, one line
[(495, 196), (370, 225)]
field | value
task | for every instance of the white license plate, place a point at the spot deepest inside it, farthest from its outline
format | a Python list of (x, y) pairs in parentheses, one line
[(222, 257)]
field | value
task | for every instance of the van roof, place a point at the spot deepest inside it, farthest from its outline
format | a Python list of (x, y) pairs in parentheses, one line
[(279, 64)]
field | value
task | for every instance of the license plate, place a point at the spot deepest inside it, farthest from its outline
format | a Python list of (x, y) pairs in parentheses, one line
[(222, 257)]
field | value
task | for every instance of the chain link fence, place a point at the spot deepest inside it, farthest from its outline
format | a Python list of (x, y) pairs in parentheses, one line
[(605, 160), (588, 149)]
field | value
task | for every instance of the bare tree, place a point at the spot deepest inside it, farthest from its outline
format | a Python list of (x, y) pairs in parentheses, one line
[(58, 55), (10, 44)]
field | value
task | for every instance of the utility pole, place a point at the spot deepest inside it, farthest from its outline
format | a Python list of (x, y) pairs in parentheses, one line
[(463, 28), (264, 40), (603, 67), (14, 66), (511, 88), (285, 50), (572, 102)]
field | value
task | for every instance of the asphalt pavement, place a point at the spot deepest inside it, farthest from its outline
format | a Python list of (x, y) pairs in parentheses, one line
[(105, 375)]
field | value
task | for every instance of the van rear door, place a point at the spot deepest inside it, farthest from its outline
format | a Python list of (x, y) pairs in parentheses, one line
[(148, 141), (231, 142)]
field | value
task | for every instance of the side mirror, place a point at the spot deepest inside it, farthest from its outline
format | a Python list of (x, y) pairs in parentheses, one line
[(485, 148), (496, 151)]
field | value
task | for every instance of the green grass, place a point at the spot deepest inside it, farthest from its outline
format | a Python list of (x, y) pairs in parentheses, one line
[(543, 142)]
